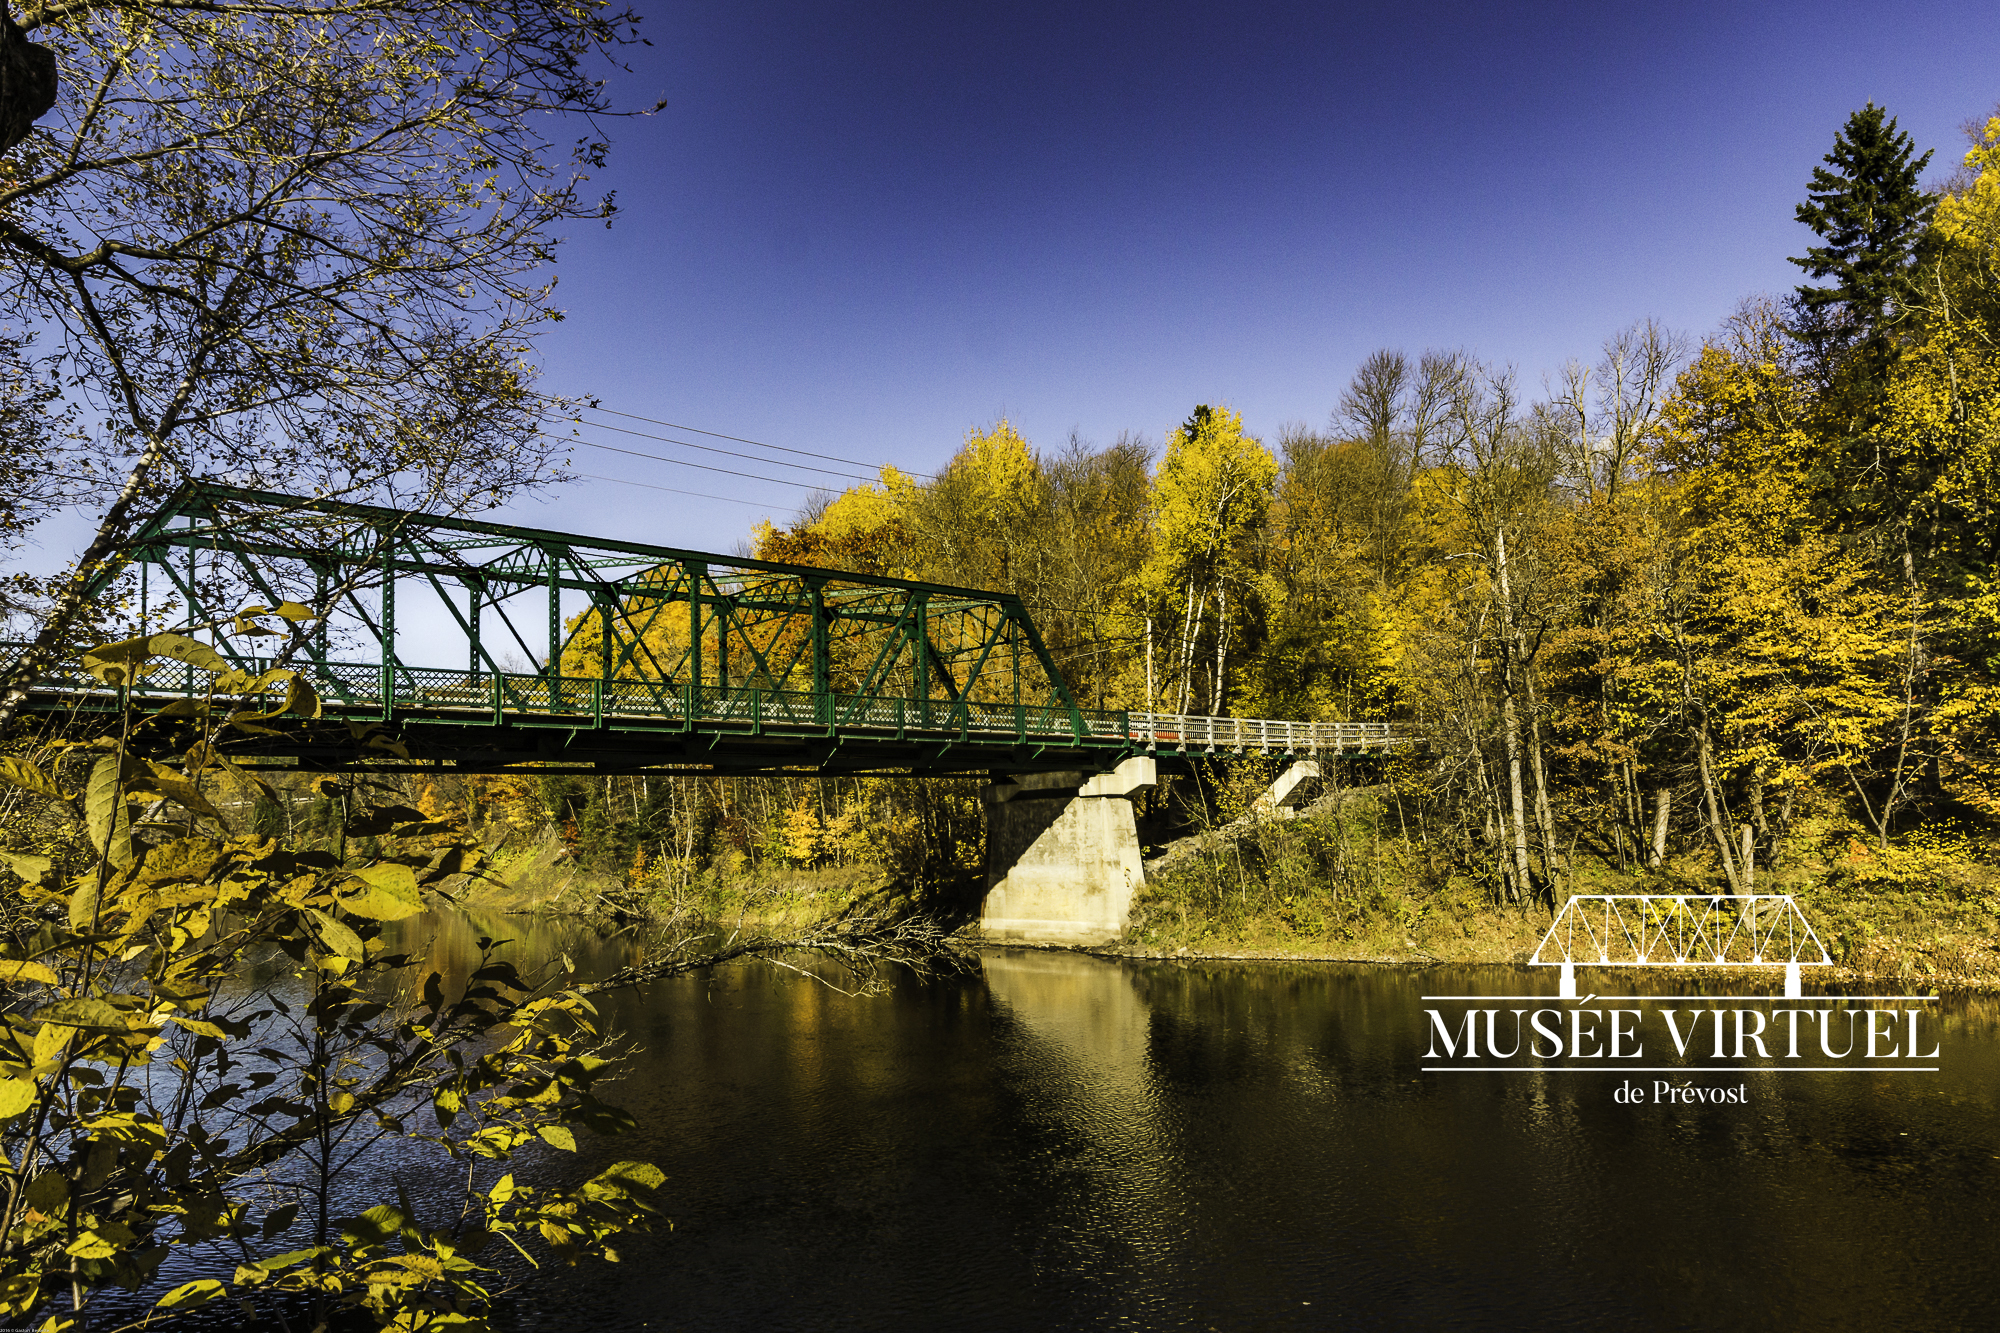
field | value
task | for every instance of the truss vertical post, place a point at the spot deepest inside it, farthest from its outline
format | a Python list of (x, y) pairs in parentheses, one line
[(322, 607), (694, 571), (607, 604), (822, 669), (194, 587), (1014, 670), (722, 641), (553, 669), (920, 648), (388, 624), (475, 594)]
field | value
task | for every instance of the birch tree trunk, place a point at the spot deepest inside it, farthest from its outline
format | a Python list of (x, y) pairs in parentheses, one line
[(1663, 805), (1509, 721), (1716, 814), (1215, 691), (1544, 820)]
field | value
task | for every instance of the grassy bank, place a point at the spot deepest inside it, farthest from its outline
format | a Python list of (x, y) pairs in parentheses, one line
[(1342, 883), (543, 874)]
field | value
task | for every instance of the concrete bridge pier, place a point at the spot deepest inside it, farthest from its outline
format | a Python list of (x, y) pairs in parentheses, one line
[(1062, 855)]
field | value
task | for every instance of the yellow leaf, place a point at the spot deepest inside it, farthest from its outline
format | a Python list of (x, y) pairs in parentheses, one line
[(83, 1012), (181, 648), (336, 936), (105, 815), (12, 970), (191, 1294), (387, 893), (23, 774), (16, 1096), (558, 1136), (117, 663), (27, 865)]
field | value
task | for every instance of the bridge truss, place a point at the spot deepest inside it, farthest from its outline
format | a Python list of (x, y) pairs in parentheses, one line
[(1680, 930), (583, 654)]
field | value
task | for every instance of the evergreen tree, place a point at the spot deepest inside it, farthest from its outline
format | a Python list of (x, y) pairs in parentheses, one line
[(1871, 212)]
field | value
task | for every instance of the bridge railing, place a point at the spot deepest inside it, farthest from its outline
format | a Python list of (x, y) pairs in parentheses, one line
[(488, 697), (383, 690), (1184, 731)]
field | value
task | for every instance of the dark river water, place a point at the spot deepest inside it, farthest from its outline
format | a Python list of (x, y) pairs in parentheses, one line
[(1058, 1141)]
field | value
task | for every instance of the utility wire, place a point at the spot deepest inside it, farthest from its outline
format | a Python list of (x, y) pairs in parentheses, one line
[(710, 449), (699, 495), (718, 435), (679, 462)]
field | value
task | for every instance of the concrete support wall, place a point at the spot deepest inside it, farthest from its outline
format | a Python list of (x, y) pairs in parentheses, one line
[(1062, 855), (1281, 801)]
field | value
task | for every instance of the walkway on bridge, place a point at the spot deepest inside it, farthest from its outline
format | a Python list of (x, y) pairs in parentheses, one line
[(588, 655)]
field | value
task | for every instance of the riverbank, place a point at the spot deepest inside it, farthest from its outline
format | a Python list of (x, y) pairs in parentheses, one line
[(1338, 885), (1334, 886)]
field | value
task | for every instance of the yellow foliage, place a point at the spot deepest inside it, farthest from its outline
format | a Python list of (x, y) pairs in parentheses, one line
[(863, 510), (1214, 484), (1929, 856), (1000, 469), (1734, 431), (1971, 218), (803, 838)]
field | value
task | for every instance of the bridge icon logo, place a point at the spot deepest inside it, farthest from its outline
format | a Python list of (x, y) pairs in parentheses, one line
[(1732, 930)]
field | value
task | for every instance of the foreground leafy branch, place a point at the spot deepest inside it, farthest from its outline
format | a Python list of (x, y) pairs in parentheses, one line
[(159, 1104)]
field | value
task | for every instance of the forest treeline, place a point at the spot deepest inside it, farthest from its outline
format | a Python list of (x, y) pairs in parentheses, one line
[(1653, 615), (1674, 600)]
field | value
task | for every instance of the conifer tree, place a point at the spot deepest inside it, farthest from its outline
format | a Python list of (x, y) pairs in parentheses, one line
[(1871, 212)]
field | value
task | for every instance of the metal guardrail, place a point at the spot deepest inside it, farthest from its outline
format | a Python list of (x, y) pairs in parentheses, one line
[(1185, 731), (378, 691)]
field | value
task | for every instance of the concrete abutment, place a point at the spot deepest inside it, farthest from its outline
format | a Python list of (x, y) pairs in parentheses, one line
[(1062, 855)]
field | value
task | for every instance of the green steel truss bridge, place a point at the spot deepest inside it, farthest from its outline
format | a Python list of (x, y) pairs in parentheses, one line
[(568, 653)]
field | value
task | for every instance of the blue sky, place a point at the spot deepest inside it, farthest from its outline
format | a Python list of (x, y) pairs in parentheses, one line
[(862, 229)]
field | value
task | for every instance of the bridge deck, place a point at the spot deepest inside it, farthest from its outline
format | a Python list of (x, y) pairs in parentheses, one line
[(488, 721)]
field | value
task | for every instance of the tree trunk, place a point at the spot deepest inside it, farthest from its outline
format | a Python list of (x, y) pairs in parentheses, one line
[(1511, 887), (1190, 630), (1215, 693), (28, 82), (1663, 805), (1716, 815), (1544, 820), (1149, 662), (69, 602), (1509, 722)]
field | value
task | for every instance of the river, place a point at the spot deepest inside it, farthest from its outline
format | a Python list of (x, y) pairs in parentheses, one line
[(1061, 1141)]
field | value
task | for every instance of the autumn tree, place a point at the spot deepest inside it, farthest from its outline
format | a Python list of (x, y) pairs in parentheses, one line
[(1201, 580), (304, 244), (978, 521), (1343, 537)]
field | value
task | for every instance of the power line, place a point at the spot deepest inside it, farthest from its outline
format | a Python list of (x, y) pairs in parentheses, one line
[(718, 435), (699, 495), (710, 449), (681, 462)]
